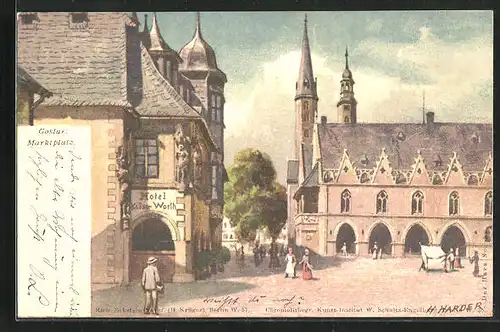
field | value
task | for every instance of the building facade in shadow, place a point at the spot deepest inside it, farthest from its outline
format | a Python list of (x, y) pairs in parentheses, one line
[(156, 117)]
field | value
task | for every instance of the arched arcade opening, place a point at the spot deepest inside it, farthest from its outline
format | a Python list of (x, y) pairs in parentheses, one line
[(346, 235), (382, 236), (152, 237), (454, 238), (416, 235)]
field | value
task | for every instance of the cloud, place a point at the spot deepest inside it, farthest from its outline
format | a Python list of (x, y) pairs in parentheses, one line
[(390, 79)]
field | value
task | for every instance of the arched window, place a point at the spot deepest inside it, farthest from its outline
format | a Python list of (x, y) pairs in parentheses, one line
[(488, 204), (231, 236), (225, 225), (454, 203), (417, 203), (305, 116), (487, 234), (306, 133), (225, 236), (346, 119), (345, 201), (382, 202)]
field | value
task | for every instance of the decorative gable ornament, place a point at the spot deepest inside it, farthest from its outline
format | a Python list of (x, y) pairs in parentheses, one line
[(347, 171), (487, 176), (419, 174), (383, 170), (455, 174)]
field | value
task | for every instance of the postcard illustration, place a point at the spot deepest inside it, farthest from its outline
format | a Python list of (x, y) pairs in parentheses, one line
[(254, 164)]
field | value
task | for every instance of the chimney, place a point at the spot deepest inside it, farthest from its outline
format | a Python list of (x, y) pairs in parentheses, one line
[(429, 120), (323, 119)]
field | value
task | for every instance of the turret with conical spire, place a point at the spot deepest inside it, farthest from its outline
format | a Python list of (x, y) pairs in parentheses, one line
[(166, 59), (346, 107), (306, 84)]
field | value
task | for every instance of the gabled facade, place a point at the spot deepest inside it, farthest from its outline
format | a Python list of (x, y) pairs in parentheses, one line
[(397, 184), (154, 189)]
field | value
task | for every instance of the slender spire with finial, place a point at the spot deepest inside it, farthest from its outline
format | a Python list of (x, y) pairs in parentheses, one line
[(198, 24), (146, 29), (423, 107), (346, 58), (306, 85)]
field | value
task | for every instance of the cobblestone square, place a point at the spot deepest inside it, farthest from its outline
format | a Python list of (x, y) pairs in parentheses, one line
[(349, 287)]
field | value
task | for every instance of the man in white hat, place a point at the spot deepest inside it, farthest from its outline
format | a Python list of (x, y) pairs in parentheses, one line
[(150, 281)]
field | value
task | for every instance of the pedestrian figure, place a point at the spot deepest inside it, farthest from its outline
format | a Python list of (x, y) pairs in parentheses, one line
[(374, 251), (306, 266), (344, 250), (451, 259), (379, 254), (151, 285), (256, 255), (262, 252), (475, 260), (458, 259), (290, 261)]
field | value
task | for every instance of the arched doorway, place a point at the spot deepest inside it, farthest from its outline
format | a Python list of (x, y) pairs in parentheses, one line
[(454, 238), (346, 234), (382, 236), (152, 237), (416, 235)]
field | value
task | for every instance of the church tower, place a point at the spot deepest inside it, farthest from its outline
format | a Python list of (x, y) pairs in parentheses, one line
[(346, 107), (306, 108)]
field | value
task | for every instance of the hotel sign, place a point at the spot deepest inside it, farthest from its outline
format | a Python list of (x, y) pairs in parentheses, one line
[(162, 200)]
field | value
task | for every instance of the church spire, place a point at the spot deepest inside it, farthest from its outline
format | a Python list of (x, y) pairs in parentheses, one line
[(306, 84), (346, 58)]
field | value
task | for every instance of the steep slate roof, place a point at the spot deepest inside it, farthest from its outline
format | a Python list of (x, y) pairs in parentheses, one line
[(105, 64), (312, 179), (292, 171), (307, 155), (78, 65), (402, 141), (27, 82)]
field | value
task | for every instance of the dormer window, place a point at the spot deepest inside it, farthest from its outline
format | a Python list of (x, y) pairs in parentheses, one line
[(437, 160), (475, 138), (401, 136), (79, 20), (364, 160), (28, 18)]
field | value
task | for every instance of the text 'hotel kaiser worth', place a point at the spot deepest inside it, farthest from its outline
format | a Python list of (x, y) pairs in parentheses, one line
[(156, 117), (396, 184)]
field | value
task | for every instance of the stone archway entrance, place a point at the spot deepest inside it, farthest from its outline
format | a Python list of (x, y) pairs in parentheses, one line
[(454, 238), (152, 237), (416, 234), (382, 236), (346, 234)]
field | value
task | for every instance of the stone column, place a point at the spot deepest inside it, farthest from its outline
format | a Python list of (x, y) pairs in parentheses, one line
[(331, 245), (362, 248), (322, 236), (181, 274), (126, 256), (398, 250)]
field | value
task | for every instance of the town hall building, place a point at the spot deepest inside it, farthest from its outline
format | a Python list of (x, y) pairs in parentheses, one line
[(396, 184), (157, 131)]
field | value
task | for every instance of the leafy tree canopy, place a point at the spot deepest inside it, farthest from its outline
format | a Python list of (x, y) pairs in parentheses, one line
[(253, 198)]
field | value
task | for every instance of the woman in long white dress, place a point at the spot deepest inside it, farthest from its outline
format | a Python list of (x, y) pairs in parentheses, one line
[(290, 263), (375, 251)]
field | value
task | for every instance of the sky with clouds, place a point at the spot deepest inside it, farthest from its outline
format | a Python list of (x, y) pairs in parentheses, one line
[(394, 57)]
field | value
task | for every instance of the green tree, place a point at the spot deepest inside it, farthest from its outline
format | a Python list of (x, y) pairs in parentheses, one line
[(253, 198)]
